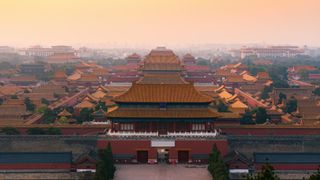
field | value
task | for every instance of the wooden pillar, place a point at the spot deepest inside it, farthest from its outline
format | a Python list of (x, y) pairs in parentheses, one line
[(174, 126)]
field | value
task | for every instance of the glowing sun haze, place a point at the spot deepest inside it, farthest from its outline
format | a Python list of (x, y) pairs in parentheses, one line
[(153, 22)]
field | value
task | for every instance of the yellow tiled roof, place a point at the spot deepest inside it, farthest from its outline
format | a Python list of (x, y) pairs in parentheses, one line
[(238, 104), (85, 104), (99, 94), (64, 113), (225, 95), (248, 77), (162, 93)]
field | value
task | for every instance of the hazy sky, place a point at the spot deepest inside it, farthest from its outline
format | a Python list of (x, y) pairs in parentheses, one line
[(159, 22)]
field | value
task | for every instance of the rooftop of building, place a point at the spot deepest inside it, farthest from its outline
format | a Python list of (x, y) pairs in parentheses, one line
[(169, 93), (161, 78)]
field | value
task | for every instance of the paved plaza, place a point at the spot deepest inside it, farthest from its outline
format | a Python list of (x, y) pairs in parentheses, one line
[(162, 172)]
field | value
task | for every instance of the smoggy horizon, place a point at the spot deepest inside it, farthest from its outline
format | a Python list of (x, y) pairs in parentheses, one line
[(150, 23)]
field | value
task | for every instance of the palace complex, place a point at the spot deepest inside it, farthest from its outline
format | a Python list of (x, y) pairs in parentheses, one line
[(159, 108)]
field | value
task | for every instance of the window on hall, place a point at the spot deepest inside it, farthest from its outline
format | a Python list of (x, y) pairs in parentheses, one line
[(126, 127), (198, 127)]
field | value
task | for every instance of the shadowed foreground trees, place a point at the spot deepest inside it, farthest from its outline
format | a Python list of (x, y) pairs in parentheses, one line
[(41, 131), (267, 173), (217, 167), (105, 168), (315, 176), (9, 131)]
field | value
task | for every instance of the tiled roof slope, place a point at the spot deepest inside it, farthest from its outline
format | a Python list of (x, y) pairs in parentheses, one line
[(170, 93)]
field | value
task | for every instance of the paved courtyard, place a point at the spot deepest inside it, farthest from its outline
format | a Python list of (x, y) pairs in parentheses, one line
[(162, 172)]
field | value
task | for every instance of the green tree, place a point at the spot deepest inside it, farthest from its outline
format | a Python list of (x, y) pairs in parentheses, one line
[(317, 91), (203, 62), (265, 92), (10, 131), (45, 101), (281, 97), (291, 105), (14, 97), (101, 105), (217, 167), (222, 107), (105, 168), (247, 118), (267, 173), (36, 131), (315, 176), (53, 131), (29, 105), (85, 115), (1, 101), (70, 109), (49, 116), (279, 76), (261, 115)]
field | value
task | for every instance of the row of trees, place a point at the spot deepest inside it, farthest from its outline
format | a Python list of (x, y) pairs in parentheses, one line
[(219, 170), (32, 131), (291, 104), (85, 115), (260, 113), (105, 168)]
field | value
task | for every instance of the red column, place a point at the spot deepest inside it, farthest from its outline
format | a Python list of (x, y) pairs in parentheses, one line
[(152, 156)]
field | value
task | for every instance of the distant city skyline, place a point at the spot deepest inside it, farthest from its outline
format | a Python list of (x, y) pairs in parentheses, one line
[(151, 23)]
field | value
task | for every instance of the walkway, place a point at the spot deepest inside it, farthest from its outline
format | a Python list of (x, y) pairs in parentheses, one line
[(162, 172)]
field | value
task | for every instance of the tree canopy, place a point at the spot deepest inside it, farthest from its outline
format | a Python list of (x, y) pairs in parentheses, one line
[(85, 115), (10, 131), (36, 131), (41, 131), (281, 97), (217, 167), (45, 101), (267, 173), (29, 105), (105, 168), (315, 176), (222, 107), (317, 91), (247, 118), (266, 91), (49, 116), (101, 105), (291, 105), (261, 115)]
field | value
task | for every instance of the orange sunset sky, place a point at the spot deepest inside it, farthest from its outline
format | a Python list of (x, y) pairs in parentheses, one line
[(154, 22)]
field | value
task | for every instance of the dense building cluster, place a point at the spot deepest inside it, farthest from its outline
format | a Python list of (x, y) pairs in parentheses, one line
[(158, 108)]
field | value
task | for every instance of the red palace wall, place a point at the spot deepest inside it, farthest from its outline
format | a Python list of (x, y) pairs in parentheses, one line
[(245, 130), (192, 146), (67, 129)]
